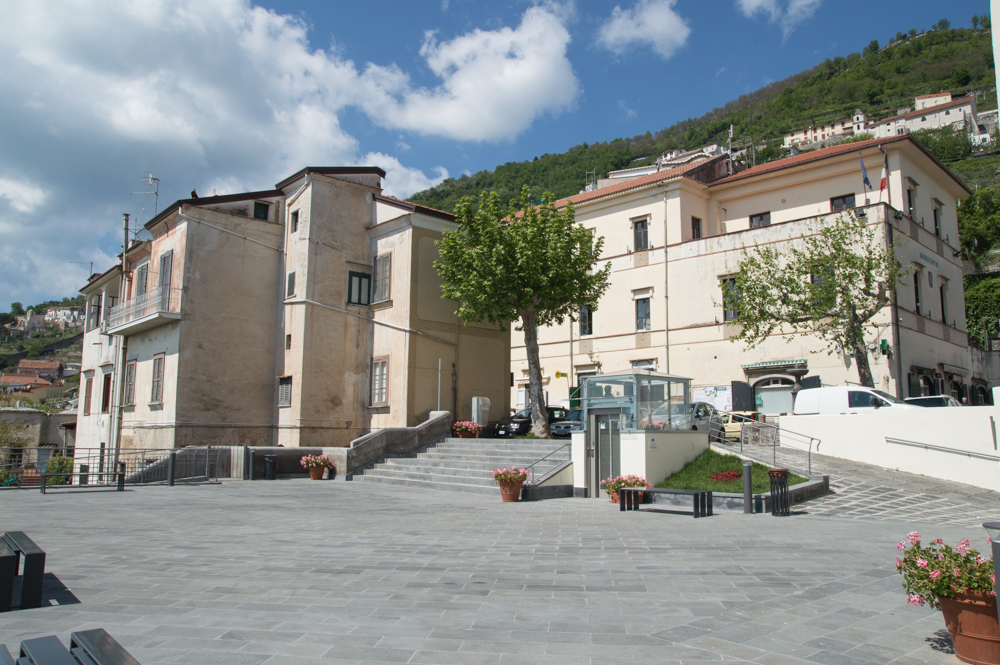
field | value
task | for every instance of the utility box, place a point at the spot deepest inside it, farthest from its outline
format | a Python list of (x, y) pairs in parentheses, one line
[(481, 410)]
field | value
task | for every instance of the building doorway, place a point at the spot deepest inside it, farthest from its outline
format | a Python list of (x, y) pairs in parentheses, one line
[(604, 455), (773, 396)]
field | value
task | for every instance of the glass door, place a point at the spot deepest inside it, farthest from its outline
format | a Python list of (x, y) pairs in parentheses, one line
[(607, 457)]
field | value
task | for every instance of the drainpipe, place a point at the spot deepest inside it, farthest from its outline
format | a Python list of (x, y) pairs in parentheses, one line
[(666, 285), (894, 310), (118, 408)]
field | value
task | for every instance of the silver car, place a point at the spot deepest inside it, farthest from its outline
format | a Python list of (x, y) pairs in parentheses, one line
[(565, 428)]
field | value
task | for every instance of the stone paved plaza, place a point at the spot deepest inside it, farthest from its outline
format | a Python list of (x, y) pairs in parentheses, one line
[(326, 573)]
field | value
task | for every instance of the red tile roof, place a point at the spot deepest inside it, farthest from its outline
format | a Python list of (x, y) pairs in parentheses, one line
[(961, 101), (630, 184), (39, 364), (24, 379)]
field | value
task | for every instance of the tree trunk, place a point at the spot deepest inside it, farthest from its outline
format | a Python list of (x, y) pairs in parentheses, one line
[(536, 395), (861, 358)]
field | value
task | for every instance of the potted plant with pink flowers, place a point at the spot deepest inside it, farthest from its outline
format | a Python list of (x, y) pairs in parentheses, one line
[(612, 485), (316, 464), (960, 582), (466, 429), (510, 481)]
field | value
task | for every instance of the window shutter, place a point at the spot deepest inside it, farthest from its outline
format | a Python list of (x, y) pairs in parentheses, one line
[(285, 391), (290, 287), (166, 267), (140, 279)]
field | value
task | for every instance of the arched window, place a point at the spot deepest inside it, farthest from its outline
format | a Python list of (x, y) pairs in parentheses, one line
[(926, 386)]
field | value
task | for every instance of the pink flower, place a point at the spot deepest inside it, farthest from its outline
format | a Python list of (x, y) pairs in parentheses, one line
[(940, 556), (900, 546), (913, 537), (922, 563), (938, 541), (899, 563), (914, 599), (963, 546), (957, 572), (935, 574), (980, 560)]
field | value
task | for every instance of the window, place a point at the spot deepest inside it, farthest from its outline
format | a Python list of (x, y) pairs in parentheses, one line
[(762, 219), (916, 290), (290, 285), (94, 320), (839, 203), (857, 399), (166, 268), (156, 394), (730, 299), (358, 288), (695, 228), (284, 391), (260, 210), (288, 342), (141, 279), (295, 221), (937, 221), (129, 383), (380, 393), (87, 387), (640, 230), (106, 394), (380, 292), (944, 300), (642, 314), (586, 321)]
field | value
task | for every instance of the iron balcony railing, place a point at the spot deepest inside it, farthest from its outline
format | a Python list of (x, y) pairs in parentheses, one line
[(162, 299)]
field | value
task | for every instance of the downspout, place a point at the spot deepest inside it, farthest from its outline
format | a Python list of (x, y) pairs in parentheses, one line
[(666, 285), (896, 338), (118, 408)]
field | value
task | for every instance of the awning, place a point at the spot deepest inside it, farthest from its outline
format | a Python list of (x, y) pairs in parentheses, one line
[(772, 364), (954, 369)]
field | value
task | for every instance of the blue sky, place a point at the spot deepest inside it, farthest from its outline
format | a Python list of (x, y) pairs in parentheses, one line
[(233, 96)]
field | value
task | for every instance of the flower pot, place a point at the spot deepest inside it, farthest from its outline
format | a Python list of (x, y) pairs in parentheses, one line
[(614, 496), (467, 435), (971, 619), (511, 491), (316, 472)]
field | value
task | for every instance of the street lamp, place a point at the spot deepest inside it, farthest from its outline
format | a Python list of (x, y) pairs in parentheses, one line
[(993, 528)]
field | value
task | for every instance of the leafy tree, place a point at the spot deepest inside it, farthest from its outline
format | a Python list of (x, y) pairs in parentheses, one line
[(975, 22), (979, 224), (17, 309), (525, 263), (35, 349), (984, 21), (912, 32), (961, 77), (871, 49), (945, 143), (943, 24), (831, 283), (982, 307), (858, 138)]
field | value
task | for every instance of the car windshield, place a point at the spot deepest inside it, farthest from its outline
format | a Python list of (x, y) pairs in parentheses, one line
[(888, 398), (522, 414), (575, 415)]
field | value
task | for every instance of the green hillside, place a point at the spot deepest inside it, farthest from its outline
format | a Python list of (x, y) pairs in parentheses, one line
[(878, 80)]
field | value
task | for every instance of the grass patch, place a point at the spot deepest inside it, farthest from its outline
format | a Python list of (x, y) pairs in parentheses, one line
[(531, 435), (697, 475)]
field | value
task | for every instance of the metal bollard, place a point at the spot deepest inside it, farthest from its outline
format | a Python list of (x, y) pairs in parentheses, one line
[(41, 482), (747, 488), (779, 492), (172, 468), (270, 467), (84, 473), (208, 451), (251, 465), (121, 476), (246, 461)]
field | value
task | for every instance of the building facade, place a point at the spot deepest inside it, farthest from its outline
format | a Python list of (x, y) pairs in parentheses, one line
[(306, 315), (673, 238)]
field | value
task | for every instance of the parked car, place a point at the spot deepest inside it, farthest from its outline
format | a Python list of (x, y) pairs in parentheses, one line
[(572, 423), (732, 423), (520, 422), (933, 400), (699, 416), (833, 400)]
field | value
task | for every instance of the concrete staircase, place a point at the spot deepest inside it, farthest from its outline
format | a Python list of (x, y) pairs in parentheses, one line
[(466, 465)]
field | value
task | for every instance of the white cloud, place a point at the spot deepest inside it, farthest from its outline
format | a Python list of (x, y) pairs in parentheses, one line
[(652, 23), (788, 14), (629, 113), (222, 95), (494, 83)]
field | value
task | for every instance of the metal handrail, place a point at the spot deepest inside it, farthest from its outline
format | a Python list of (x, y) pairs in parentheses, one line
[(531, 467), (931, 446), (158, 299), (776, 433)]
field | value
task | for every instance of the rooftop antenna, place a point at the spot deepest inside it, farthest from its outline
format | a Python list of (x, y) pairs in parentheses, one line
[(85, 263), (154, 182)]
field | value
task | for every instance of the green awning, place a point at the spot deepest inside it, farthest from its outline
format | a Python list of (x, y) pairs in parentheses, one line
[(773, 363)]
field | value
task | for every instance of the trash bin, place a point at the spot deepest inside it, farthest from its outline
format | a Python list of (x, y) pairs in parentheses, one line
[(271, 467), (779, 492)]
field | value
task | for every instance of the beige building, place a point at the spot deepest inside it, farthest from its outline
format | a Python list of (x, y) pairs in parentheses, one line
[(931, 112), (100, 354), (674, 237), (306, 315)]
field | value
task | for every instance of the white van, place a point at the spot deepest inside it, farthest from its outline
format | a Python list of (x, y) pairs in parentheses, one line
[(835, 400)]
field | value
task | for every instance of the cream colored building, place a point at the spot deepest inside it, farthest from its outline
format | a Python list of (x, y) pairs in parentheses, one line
[(306, 315), (672, 238), (99, 356), (930, 112)]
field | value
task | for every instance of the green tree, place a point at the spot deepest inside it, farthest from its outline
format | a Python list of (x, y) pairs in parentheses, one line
[(943, 24), (979, 224), (524, 263), (982, 307), (975, 22), (871, 49), (17, 309), (961, 77), (831, 283), (35, 349), (945, 143)]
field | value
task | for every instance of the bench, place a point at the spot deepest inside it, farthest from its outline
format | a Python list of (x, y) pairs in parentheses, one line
[(88, 647), (14, 544), (701, 500)]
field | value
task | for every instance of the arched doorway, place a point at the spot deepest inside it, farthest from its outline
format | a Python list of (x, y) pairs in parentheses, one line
[(983, 395), (956, 390), (926, 386), (773, 395)]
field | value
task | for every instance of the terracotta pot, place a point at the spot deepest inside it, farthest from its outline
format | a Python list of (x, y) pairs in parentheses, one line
[(467, 435), (614, 497), (316, 472), (971, 619), (510, 492)]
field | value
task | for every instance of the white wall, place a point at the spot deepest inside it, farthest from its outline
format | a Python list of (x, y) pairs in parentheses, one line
[(961, 443), (654, 455)]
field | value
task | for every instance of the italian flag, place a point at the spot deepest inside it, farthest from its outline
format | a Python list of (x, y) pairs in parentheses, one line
[(885, 174)]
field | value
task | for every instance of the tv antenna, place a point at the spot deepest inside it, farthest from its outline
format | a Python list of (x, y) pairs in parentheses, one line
[(154, 182), (85, 263)]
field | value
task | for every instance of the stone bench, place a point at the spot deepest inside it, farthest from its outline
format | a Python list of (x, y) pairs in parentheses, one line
[(13, 545), (701, 500)]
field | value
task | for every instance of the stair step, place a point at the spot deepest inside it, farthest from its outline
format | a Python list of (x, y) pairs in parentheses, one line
[(460, 464), (447, 487)]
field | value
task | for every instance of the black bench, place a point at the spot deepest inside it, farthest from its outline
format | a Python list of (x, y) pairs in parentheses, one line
[(88, 647), (12, 546), (701, 500)]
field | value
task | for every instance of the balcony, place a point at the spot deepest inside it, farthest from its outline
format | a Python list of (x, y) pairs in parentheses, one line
[(153, 308)]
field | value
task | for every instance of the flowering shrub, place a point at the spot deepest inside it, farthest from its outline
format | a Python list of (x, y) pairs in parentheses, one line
[(727, 476), (310, 461), (466, 426), (938, 571), (615, 484), (511, 475), (649, 423)]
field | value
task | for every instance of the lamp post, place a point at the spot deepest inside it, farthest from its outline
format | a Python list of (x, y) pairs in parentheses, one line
[(993, 528)]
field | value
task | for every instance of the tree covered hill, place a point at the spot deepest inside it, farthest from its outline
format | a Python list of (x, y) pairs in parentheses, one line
[(880, 80)]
